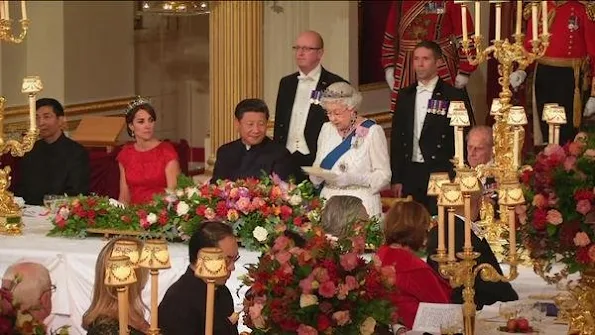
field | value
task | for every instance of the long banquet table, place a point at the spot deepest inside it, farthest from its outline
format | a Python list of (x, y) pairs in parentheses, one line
[(71, 263)]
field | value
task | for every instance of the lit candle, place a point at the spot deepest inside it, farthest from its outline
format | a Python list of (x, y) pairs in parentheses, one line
[(544, 17), (6, 10), (557, 134), (477, 22), (460, 148), (32, 113), (441, 229), (534, 21), (451, 234), (512, 231), (2, 10), (464, 19), (456, 142), (550, 136), (23, 10), (519, 16), (515, 148), (468, 245), (498, 20)]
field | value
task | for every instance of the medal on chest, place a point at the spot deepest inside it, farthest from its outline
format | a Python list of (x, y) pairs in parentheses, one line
[(573, 23), (437, 107)]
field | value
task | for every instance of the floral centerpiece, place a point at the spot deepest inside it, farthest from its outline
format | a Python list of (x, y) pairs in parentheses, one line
[(557, 223), (14, 321), (324, 287)]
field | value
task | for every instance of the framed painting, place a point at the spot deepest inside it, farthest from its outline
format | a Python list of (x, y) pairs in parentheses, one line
[(372, 15)]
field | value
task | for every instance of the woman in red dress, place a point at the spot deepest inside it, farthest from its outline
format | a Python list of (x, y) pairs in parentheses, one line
[(405, 230), (147, 166)]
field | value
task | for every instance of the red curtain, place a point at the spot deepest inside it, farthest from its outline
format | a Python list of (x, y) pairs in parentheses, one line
[(372, 22)]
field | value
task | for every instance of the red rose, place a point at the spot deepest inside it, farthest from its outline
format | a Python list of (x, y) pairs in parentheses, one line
[(61, 223), (584, 195), (91, 214), (539, 219), (298, 221), (582, 255), (221, 209), (91, 202), (285, 212), (162, 219), (526, 176), (200, 210), (142, 214), (323, 322)]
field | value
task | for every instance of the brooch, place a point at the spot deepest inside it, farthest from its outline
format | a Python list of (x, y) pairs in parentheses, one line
[(342, 167)]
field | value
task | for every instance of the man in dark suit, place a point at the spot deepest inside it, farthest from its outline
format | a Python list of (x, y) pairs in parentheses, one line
[(183, 308), (254, 153), (297, 121), (422, 139), (486, 293)]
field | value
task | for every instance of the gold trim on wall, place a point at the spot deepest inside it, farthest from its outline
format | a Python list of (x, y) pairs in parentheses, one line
[(381, 118), (74, 109)]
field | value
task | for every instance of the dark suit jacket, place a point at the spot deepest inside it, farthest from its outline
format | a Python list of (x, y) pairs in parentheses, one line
[(486, 293), (234, 161), (316, 115), (183, 308), (437, 138)]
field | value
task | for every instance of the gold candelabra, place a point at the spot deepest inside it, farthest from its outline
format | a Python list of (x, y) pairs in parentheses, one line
[(10, 213), (6, 33)]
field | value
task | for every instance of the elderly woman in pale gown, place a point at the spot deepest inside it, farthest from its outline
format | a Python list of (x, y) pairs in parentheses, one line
[(353, 148)]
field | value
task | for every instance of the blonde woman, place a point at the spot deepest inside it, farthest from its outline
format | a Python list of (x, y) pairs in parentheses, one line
[(102, 316)]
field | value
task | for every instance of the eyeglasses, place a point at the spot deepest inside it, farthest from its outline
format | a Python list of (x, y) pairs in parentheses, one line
[(51, 289), (231, 260), (336, 112), (304, 49)]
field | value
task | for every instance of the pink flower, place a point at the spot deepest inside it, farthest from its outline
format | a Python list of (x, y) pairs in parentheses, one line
[(321, 275), (361, 131), (209, 213), (243, 204), (283, 257), (389, 275), (554, 151), (349, 261), (342, 292), (569, 163), (327, 289), (539, 201), (341, 317), (521, 212), (306, 330), (358, 244), (592, 253), (575, 148), (281, 243), (232, 215), (255, 315), (554, 217), (590, 153), (306, 284), (234, 193), (581, 239), (351, 282), (583, 207), (257, 203)]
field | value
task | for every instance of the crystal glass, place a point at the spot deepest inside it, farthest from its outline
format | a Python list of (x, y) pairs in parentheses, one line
[(52, 202)]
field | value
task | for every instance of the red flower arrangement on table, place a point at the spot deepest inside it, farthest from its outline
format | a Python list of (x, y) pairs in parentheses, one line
[(557, 223), (258, 209), (324, 287), (13, 321)]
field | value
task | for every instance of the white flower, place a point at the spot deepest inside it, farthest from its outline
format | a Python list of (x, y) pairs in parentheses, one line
[(182, 208), (260, 234), (151, 218), (180, 193), (368, 326), (190, 191), (295, 199), (308, 300), (63, 212)]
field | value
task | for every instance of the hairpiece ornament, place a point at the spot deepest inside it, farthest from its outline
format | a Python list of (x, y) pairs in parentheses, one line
[(138, 101)]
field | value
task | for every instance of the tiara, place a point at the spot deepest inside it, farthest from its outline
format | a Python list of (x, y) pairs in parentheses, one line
[(138, 101)]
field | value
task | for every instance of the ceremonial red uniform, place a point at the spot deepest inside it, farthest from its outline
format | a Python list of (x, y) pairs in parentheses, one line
[(410, 22), (561, 74)]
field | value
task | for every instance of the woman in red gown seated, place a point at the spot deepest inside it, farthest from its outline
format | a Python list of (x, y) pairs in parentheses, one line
[(405, 230), (147, 166)]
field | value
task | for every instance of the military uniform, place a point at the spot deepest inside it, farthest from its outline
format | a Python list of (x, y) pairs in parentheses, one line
[(564, 72), (410, 22)]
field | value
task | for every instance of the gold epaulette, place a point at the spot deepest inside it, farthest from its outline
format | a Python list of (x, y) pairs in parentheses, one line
[(589, 9), (527, 12)]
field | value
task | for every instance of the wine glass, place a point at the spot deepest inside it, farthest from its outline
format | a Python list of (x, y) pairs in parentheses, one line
[(508, 310)]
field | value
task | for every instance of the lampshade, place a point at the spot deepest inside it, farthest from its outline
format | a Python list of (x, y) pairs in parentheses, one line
[(155, 255), (511, 194), (496, 107), (459, 118), (127, 248), (556, 115), (450, 195), (119, 271), (31, 85), (516, 116), (546, 110), (436, 180), (454, 105), (468, 181), (211, 264), (172, 8)]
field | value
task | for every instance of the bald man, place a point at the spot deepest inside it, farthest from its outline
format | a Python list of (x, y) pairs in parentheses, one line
[(297, 121), (480, 146), (31, 287)]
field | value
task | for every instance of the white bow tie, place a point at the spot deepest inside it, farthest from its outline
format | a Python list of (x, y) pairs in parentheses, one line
[(421, 88), (305, 78)]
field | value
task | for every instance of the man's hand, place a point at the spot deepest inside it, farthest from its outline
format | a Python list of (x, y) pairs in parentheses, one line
[(590, 107), (389, 74), (461, 81), (397, 190), (517, 78)]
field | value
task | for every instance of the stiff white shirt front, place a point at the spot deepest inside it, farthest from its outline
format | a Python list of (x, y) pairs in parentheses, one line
[(296, 141), (422, 96)]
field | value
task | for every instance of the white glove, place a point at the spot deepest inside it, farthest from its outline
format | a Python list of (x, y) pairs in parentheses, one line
[(115, 203), (461, 81), (389, 74), (351, 179), (590, 107), (316, 180), (517, 78)]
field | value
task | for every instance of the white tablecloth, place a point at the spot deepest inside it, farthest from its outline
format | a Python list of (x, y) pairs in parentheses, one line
[(71, 263)]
